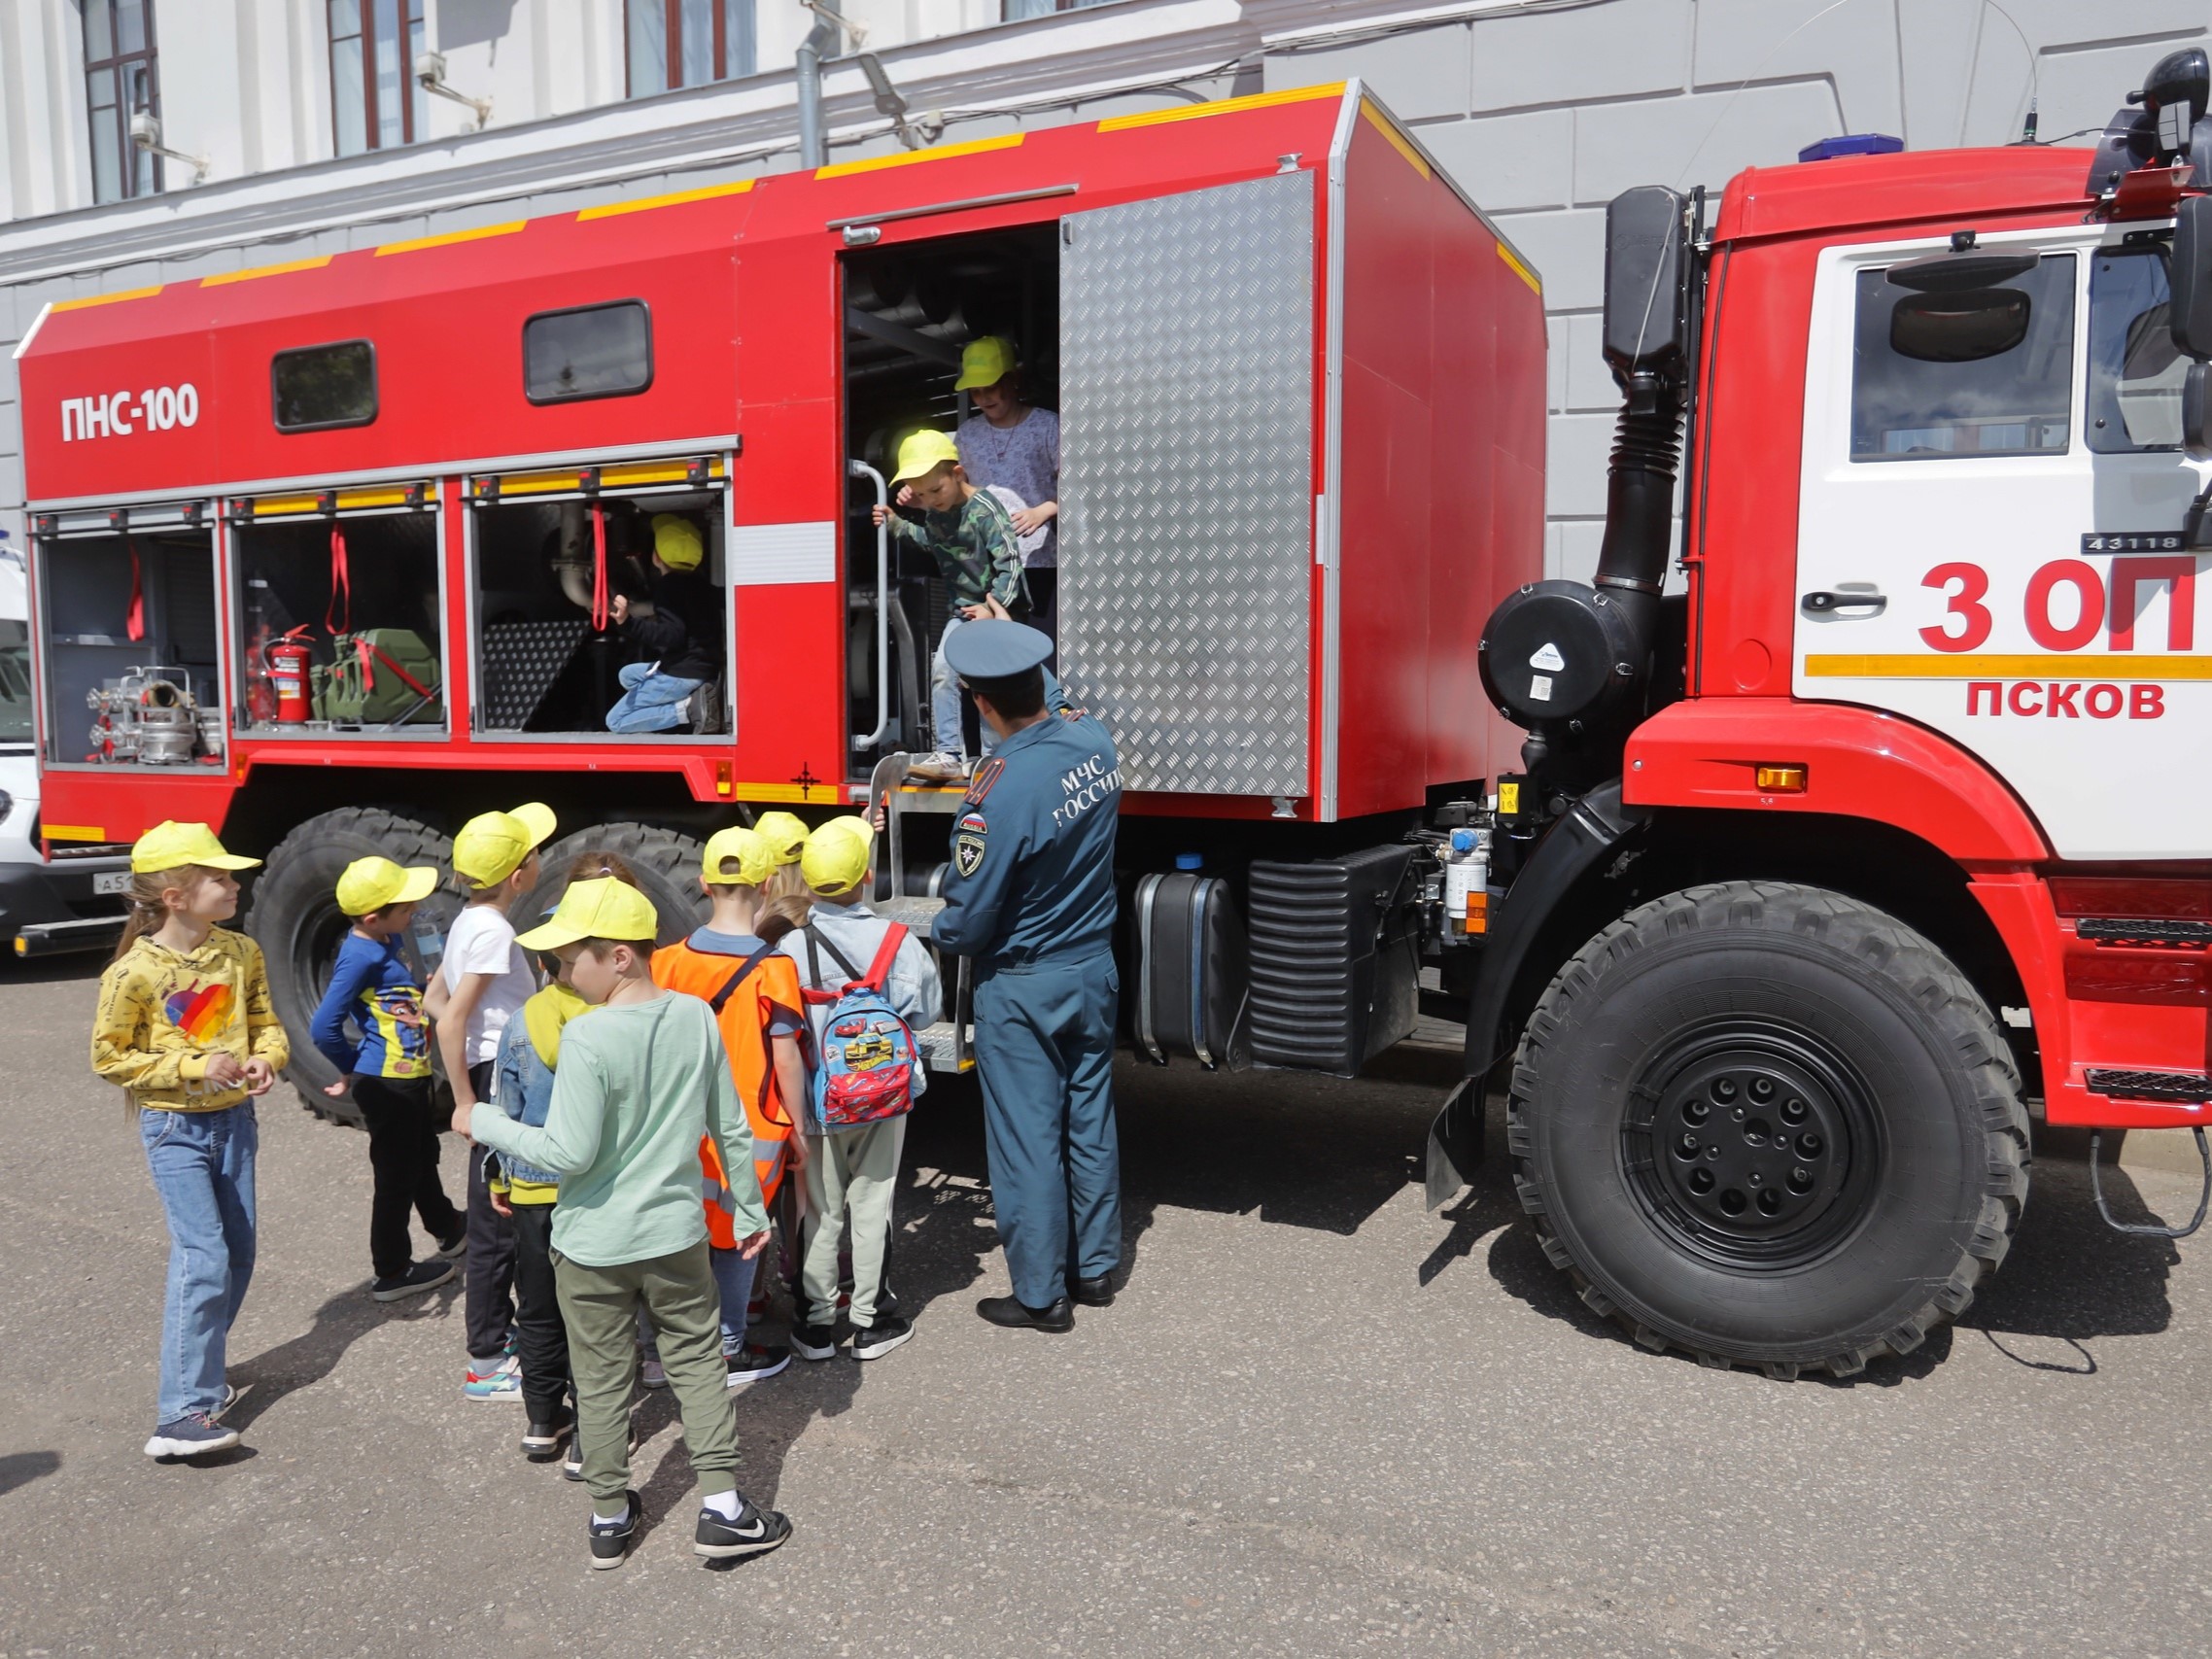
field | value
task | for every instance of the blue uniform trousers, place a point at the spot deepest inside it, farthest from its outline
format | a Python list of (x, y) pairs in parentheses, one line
[(1044, 1054)]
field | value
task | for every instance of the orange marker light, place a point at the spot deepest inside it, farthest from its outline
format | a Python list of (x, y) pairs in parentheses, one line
[(1781, 780), (1478, 912)]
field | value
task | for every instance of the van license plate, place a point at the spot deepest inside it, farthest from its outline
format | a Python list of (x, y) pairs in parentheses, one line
[(111, 882)]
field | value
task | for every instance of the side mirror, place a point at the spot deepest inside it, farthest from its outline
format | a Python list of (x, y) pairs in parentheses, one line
[(1647, 279), (2197, 414), (2190, 276)]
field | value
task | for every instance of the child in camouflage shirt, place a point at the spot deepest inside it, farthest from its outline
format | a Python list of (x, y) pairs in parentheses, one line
[(972, 539)]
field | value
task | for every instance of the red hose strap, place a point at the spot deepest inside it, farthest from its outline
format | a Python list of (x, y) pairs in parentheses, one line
[(340, 583), (599, 608)]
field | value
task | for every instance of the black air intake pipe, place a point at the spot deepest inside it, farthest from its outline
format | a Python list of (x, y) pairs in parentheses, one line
[(1569, 661)]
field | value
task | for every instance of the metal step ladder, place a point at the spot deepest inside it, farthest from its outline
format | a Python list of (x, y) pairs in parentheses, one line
[(944, 1046)]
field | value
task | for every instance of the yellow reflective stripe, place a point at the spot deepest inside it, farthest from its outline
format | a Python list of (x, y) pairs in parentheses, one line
[(675, 199), (258, 272), (448, 238), (617, 477), (1225, 107), (1920, 666), (73, 832), (1519, 269), (1397, 140), (108, 298), (910, 158), (349, 501)]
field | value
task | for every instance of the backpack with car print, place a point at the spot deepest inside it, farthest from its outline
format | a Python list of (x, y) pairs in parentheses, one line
[(865, 1070)]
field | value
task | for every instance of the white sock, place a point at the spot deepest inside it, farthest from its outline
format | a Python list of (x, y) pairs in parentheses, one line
[(614, 1520), (725, 1503)]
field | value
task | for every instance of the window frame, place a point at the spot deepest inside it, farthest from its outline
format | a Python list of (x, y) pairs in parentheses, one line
[(2161, 251), (651, 363), (2075, 293), (723, 67), (411, 18), (375, 387), (117, 65)]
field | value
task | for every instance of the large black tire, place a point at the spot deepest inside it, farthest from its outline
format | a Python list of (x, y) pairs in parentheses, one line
[(665, 861), (1769, 1126), (296, 921)]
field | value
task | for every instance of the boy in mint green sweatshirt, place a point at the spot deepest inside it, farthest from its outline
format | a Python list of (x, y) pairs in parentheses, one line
[(641, 1078)]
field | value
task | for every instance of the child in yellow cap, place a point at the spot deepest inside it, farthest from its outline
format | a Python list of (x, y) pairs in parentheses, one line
[(186, 1028), (482, 979), (389, 1066), (972, 537), (851, 1176), (678, 629), (640, 1080), (731, 965), (785, 834)]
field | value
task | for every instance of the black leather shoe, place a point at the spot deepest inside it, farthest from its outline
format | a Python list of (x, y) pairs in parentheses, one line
[(1016, 1316), (1092, 1292)]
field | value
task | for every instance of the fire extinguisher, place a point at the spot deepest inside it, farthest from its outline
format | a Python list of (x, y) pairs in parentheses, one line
[(287, 660)]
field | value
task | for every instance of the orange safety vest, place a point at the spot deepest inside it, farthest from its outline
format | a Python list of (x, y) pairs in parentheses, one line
[(744, 1021)]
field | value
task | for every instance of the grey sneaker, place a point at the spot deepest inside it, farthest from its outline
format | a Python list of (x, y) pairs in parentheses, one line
[(194, 1434), (942, 767), (610, 1539)]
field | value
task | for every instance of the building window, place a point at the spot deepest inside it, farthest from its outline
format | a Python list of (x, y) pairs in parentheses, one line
[(1013, 11), (687, 43), (375, 101), (119, 84)]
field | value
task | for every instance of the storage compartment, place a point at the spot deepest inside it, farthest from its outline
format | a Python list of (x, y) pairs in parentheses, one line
[(128, 619), (548, 569), (354, 598), (909, 311), (1336, 962)]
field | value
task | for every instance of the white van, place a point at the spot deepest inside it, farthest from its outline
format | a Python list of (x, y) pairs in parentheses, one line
[(71, 904)]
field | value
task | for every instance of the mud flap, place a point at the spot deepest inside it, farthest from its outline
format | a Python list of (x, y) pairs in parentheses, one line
[(1454, 1143)]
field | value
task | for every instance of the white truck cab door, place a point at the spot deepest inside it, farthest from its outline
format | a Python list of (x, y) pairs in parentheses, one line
[(1989, 529)]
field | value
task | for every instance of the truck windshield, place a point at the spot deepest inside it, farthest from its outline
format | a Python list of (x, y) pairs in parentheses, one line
[(15, 681)]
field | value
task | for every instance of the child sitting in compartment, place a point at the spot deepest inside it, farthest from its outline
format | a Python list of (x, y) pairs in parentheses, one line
[(680, 626), (972, 537)]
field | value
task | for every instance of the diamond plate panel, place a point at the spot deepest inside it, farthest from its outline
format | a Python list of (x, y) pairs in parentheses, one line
[(1186, 482)]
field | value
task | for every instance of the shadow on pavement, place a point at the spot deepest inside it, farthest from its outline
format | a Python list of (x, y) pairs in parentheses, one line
[(307, 1359), (20, 1468)]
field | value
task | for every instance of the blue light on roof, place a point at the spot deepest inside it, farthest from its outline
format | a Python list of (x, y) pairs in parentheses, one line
[(1852, 144)]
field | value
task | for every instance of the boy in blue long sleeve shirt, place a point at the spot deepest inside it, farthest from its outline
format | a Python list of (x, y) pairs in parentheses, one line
[(388, 1069)]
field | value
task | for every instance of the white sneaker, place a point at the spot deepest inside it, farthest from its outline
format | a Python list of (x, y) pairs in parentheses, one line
[(942, 767)]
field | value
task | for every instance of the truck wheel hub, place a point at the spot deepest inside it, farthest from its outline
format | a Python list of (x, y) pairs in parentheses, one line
[(1750, 1143)]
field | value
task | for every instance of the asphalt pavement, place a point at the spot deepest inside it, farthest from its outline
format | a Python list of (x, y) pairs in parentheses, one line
[(1318, 1421)]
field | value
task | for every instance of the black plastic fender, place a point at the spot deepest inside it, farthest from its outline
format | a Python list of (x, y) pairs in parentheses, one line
[(1589, 834)]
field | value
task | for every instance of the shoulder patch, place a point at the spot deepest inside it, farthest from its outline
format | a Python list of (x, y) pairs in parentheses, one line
[(969, 842), (985, 775), (971, 821)]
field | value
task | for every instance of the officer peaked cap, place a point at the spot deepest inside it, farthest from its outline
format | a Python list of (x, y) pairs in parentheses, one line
[(991, 649)]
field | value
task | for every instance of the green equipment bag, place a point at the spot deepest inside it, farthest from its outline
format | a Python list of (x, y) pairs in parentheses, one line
[(381, 676)]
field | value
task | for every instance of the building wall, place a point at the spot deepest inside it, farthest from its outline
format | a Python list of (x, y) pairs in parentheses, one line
[(1542, 109)]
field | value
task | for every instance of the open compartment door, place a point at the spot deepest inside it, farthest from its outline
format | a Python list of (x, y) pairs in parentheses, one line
[(1187, 483)]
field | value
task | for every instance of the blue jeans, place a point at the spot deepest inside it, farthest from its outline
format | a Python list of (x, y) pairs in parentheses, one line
[(203, 1168), (733, 1283), (946, 698), (650, 701)]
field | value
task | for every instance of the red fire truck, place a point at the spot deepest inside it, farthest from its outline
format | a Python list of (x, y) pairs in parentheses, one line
[(1804, 883)]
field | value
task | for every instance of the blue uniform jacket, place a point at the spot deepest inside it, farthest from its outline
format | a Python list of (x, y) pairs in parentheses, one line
[(1033, 873)]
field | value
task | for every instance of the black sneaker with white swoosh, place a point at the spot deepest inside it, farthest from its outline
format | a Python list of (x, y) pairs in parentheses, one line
[(755, 1532)]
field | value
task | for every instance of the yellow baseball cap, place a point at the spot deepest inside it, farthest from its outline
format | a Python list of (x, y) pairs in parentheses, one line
[(171, 843), (676, 541), (785, 834), (854, 823), (985, 363), (754, 860), (601, 908), (372, 882), (493, 845), (924, 452), (836, 859)]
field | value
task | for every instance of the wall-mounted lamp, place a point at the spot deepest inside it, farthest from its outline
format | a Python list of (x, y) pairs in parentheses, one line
[(146, 135), (430, 73)]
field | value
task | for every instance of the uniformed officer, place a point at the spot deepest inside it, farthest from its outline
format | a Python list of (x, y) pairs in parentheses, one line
[(1030, 896)]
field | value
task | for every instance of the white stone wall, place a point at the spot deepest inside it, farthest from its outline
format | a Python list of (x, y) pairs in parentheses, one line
[(1543, 108)]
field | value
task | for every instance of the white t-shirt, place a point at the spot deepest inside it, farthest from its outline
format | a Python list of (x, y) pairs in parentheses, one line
[(481, 941)]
